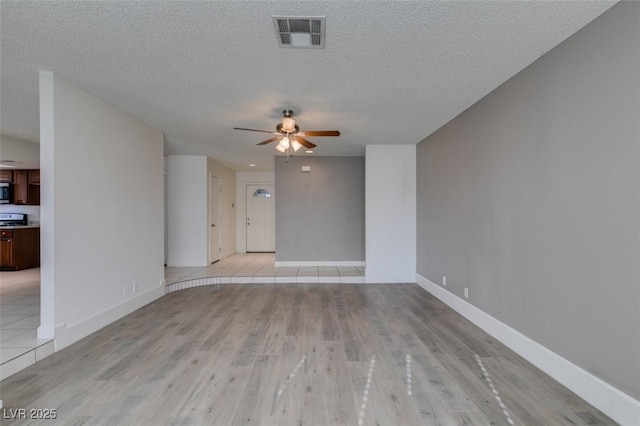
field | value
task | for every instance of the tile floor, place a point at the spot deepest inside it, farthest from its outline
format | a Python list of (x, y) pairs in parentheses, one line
[(258, 268), (20, 297), (19, 320)]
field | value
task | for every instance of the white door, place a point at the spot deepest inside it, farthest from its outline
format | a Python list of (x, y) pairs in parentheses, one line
[(261, 218), (215, 218)]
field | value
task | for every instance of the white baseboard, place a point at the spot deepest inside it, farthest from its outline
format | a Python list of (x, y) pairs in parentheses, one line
[(614, 403), (321, 263), (46, 332), (67, 334)]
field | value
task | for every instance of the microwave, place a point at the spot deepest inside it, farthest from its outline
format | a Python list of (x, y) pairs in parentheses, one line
[(6, 193)]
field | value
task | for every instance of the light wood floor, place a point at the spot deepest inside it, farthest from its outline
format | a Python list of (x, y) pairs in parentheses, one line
[(293, 354)]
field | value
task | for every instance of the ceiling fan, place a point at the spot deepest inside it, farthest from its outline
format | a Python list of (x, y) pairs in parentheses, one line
[(289, 136)]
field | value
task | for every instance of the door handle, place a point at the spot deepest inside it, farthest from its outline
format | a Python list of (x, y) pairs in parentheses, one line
[(213, 225)]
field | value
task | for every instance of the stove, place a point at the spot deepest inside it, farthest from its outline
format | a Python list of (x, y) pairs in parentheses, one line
[(13, 219)]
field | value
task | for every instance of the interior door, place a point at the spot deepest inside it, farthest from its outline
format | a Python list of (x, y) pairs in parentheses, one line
[(215, 218), (261, 218)]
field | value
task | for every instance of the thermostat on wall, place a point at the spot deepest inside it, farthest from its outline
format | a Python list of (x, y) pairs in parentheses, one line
[(306, 169)]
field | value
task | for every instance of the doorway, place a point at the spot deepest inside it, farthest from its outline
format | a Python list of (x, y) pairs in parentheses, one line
[(261, 218), (215, 218)]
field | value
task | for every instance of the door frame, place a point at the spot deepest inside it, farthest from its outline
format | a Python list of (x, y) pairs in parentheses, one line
[(212, 256), (242, 180), (246, 214)]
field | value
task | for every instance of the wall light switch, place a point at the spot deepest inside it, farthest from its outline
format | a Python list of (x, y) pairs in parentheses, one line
[(306, 169)]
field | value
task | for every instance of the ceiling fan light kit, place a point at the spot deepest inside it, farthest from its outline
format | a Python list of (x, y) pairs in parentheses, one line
[(289, 137)]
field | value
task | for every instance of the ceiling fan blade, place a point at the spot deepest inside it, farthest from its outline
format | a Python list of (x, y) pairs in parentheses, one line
[(269, 140), (305, 143), (320, 133), (254, 130)]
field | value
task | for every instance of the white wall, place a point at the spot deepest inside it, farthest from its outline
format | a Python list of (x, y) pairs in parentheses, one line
[(187, 206), (390, 213), (166, 209), (104, 232), (228, 226), (242, 180), (47, 329), (188, 209)]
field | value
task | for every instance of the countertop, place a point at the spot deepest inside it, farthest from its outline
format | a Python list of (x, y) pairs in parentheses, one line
[(5, 228)]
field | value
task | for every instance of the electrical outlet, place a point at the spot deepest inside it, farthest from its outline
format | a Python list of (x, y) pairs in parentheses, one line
[(125, 290), (135, 287), (466, 292), (444, 280)]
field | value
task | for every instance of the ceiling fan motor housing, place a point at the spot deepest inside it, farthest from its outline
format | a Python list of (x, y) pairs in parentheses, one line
[(281, 129), (288, 124)]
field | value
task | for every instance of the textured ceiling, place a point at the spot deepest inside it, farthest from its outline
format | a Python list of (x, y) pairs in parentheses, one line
[(391, 72)]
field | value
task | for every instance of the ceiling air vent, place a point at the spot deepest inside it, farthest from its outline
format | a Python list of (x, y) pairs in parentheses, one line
[(300, 32)]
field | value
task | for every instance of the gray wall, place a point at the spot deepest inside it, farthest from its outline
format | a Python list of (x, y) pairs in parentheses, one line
[(531, 199), (320, 215)]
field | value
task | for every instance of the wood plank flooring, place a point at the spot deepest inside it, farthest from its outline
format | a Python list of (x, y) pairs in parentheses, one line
[(293, 354)]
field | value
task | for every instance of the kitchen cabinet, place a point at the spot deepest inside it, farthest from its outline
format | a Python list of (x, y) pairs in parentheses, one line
[(23, 191), (20, 187), (33, 177), (6, 176), (6, 251), (19, 248)]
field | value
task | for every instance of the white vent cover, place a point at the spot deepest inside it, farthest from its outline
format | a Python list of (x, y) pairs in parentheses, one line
[(300, 32)]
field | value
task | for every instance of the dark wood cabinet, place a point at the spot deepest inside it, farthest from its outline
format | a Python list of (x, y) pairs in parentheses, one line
[(20, 187), (6, 175), (33, 194), (34, 177), (6, 251), (25, 190), (19, 248)]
